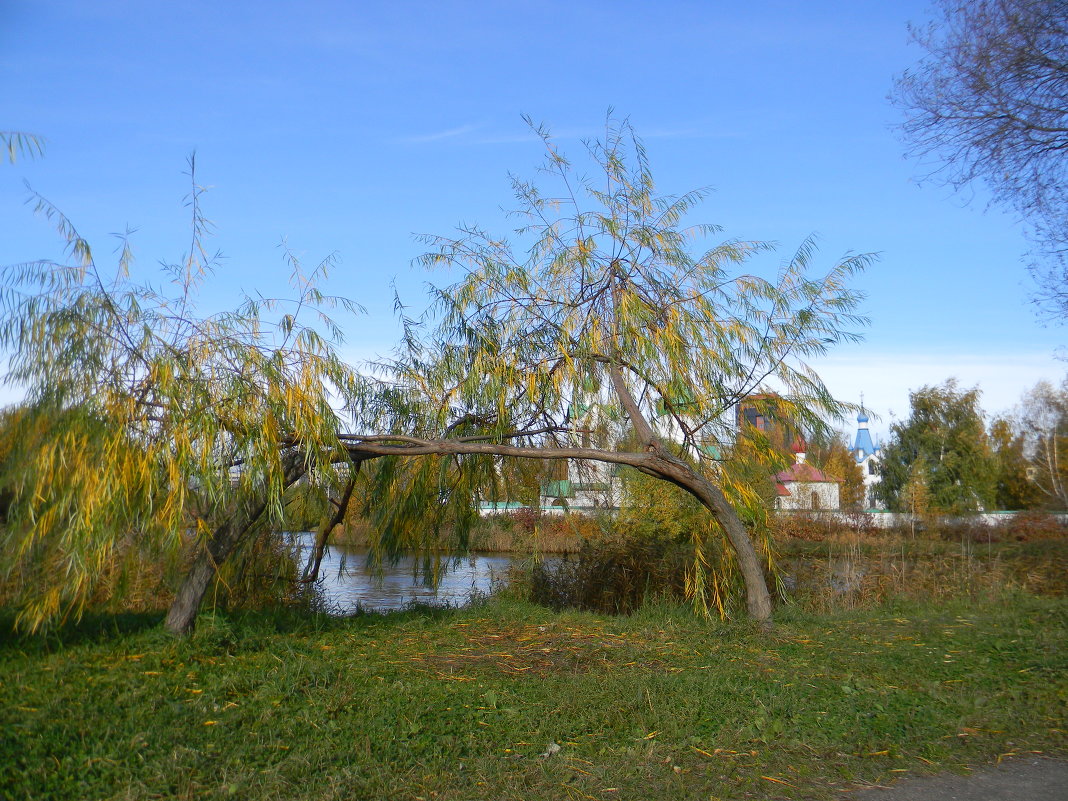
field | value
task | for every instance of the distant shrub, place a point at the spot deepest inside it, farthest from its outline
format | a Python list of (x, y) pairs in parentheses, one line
[(1032, 526), (525, 520), (531, 531), (803, 526), (967, 529), (860, 523), (573, 527)]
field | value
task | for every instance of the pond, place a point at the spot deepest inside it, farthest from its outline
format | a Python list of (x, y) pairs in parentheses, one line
[(347, 583)]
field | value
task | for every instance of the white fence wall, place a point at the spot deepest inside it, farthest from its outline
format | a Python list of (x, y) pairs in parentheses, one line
[(891, 519)]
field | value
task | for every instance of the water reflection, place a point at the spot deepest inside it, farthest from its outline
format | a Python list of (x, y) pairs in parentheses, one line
[(347, 582)]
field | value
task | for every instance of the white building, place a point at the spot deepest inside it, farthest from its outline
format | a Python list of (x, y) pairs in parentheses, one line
[(804, 487), (588, 486)]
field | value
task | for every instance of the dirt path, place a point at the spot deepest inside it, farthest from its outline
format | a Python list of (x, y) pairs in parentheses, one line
[(1027, 779)]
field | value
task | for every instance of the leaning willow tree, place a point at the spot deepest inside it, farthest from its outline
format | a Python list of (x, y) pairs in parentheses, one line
[(602, 302)]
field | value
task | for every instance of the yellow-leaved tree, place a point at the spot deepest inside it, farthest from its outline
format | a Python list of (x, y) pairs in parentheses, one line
[(149, 426), (607, 306)]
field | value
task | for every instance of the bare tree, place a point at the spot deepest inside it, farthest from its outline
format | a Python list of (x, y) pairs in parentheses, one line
[(1042, 419), (989, 102)]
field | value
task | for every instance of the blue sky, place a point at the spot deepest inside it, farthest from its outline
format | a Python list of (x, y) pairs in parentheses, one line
[(352, 126)]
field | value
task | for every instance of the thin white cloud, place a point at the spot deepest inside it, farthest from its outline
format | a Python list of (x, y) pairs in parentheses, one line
[(887, 378), (450, 133), (569, 134), (507, 139)]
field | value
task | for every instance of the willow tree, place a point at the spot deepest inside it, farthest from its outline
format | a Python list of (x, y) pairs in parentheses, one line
[(150, 426), (16, 143), (605, 302)]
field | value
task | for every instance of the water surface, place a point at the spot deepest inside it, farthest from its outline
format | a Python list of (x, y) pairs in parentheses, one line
[(348, 583)]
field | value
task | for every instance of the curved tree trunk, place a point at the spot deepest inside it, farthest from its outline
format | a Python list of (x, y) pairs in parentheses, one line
[(758, 599), (655, 462), (670, 468), (181, 618)]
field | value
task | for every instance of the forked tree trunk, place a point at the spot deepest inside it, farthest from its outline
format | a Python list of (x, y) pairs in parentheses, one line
[(181, 618)]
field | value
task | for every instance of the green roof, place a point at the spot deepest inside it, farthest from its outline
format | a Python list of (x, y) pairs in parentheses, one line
[(678, 403), (711, 450), (558, 489)]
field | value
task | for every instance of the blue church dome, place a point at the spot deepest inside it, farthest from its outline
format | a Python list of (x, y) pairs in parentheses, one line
[(862, 444)]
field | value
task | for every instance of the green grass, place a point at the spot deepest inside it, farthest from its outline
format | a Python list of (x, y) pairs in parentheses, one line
[(461, 704)]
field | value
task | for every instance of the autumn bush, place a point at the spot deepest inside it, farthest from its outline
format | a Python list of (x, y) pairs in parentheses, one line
[(818, 528), (1031, 526), (528, 531), (613, 576), (966, 529)]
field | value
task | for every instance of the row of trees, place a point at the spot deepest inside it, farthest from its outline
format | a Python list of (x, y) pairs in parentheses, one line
[(945, 458), (988, 103), (154, 430)]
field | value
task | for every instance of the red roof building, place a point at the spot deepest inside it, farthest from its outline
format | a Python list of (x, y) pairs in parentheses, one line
[(803, 486)]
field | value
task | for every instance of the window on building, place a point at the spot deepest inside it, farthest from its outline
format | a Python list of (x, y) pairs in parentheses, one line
[(815, 500)]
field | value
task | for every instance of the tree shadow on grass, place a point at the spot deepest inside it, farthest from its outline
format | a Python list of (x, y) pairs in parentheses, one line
[(93, 627), (233, 628)]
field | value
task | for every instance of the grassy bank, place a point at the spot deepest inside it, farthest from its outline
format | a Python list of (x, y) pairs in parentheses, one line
[(508, 700)]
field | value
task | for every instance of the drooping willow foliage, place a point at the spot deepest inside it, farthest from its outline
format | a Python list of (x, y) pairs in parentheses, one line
[(145, 418), (601, 334), (604, 276)]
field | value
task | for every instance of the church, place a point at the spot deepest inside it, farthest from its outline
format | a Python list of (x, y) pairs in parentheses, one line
[(868, 456), (590, 486), (804, 487)]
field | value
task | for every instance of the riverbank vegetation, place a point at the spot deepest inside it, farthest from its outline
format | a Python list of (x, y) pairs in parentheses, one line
[(607, 565), (508, 700)]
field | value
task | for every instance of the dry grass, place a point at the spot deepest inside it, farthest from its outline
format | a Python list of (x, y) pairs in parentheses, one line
[(536, 651), (520, 532), (849, 571)]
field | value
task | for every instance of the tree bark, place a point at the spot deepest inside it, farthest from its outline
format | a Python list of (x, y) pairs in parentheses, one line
[(757, 597), (326, 526), (661, 464), (673, 469), (181, 618)]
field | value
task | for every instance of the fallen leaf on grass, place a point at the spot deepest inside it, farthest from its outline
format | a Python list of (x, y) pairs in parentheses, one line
[(777, 781)]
